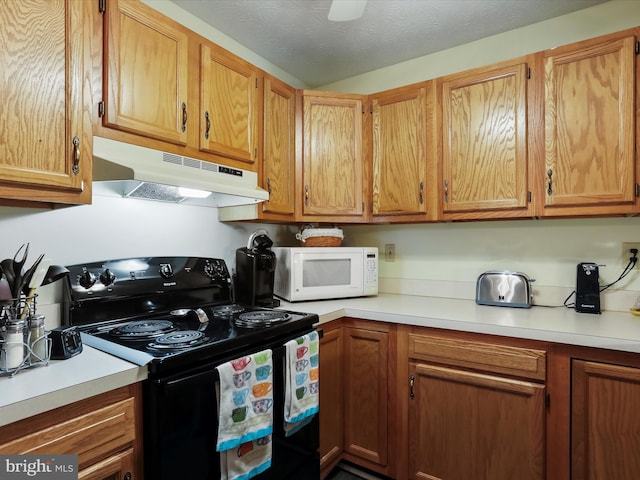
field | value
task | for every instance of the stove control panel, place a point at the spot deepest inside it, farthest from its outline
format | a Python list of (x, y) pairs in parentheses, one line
[(135, 276)]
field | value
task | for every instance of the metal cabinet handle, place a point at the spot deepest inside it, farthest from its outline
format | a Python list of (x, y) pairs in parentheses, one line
[(76, 156), (421, 194), (184, 116), (446, 190), (207, 125), (550, 183), (269, 185), (306, 195), (412, 380)]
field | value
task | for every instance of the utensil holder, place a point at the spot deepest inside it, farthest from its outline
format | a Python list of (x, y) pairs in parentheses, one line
[(22, 347)]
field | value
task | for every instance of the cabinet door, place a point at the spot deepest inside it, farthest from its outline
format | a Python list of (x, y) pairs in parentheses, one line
[(401, 125), (332, 170), (45, 131), (116, 467), (331, 411), (484, 143), (605, 422), (229, 107), (278, 159), (366, 380), (466, 425), (589, 127), (145, 72)]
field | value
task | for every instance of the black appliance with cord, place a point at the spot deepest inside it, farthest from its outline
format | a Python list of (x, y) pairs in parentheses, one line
[(176, 315), (255, 272), (587, 288)]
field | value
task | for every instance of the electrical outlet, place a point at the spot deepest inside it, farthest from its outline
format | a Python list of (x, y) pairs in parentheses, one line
[(626, 253), (390, 252)]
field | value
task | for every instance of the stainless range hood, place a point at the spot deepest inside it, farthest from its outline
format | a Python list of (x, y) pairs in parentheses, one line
[(125, 170)]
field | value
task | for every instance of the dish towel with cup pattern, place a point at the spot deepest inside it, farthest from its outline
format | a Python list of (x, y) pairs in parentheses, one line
[(301, 382), (245, 415)]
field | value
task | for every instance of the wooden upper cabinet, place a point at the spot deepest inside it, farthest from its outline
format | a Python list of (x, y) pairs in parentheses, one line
[(484, 143), (403, 159), (45, 127), (146, 63), (332, 169), (589, 127), (229, 105), (278, 159)]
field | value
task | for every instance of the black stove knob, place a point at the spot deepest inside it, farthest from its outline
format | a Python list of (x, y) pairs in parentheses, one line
[(215, 270), (87, 279), (166, 270), (107, 277)]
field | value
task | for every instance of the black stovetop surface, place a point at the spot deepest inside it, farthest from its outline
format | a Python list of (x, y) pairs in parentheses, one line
[(177, 291)]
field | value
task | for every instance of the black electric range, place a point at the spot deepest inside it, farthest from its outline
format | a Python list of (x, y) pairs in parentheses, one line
[(176, 315)]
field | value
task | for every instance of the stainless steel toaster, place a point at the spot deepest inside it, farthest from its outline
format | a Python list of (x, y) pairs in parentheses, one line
[(504, 288)]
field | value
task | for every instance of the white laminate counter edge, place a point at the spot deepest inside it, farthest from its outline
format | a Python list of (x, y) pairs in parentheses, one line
[(63, 382), (610, 330)]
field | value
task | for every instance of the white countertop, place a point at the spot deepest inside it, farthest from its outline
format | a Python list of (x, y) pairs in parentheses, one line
[(610, 330), (39, 389)]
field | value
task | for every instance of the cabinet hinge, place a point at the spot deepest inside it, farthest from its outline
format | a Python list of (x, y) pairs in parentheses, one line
[(637, 47), (529, 197), (637, 190), (547, 400), (102, 6), (528, 72), (101, 109)]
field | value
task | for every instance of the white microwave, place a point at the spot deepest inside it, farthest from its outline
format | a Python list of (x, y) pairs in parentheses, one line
[(315, 273)]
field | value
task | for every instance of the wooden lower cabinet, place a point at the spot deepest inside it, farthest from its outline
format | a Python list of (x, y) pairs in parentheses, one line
[(605, 421), (105, 431), (466, 425), (331, 411), (366, 370)]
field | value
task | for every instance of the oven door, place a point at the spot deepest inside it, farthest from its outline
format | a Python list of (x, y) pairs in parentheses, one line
[(181, 424)]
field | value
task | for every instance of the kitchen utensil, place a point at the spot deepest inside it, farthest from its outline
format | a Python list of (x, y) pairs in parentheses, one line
[(25, 279), (54, 273), (17, 269), (5, 291), (7, 268), (35, 280), (504, 288)]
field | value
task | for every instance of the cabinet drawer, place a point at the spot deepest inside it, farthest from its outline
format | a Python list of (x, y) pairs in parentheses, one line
[(516, 361), (91, 435)]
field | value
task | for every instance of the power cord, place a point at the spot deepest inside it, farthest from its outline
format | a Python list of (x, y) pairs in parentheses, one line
[(626, 271)]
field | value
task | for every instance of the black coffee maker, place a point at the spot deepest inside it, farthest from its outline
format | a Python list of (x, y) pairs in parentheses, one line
[(255, 272)]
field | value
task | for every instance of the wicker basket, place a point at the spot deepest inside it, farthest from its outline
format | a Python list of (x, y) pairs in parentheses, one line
[(320, 237)]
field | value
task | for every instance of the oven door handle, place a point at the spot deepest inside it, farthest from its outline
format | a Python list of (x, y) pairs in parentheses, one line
[(195, 377)]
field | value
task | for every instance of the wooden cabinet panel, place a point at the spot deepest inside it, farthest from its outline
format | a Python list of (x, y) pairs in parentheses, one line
[(229, 105), (331, 411), (45, 128), (589, 127), (366, 375), (484, 142), (605, 421), (115, 467), (470, 425), (278, 159), (403, 167), (146, 64), (331, 174)]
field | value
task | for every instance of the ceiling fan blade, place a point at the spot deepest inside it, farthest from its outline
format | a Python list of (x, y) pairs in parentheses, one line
[(346, 10)]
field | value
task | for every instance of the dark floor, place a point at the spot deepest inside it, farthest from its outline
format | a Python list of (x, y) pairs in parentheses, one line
[(341, 474)]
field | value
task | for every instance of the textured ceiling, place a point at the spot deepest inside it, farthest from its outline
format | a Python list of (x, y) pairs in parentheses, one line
[(296, 35)]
